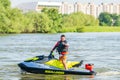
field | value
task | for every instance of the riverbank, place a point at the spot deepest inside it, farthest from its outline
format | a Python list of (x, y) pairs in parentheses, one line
[(91, 29), (101, 29), (79, 29)]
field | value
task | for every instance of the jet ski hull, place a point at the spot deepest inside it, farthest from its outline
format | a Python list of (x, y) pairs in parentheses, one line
[(32, 67)]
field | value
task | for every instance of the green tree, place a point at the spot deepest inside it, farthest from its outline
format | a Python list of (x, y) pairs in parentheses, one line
[(78, 20), (5, 3), (114, 18), (12, 20), (32, 17), (117, 21), (40, 21), (16, 18), (4, 23), (105, 19), (4, 20), (45, 24), (91, 21), (2, 9), (56, 18), (18, 22)]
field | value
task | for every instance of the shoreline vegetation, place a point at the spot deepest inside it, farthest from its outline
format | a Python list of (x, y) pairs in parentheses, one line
[(101, 29), (13, 20)]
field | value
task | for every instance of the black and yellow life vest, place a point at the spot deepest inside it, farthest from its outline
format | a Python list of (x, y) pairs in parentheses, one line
[(61, 47)]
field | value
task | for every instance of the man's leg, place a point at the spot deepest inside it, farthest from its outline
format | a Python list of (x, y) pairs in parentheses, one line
[(64, 62), (63, 59)]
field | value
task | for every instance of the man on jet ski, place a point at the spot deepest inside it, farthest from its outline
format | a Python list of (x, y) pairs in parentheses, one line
[(62, 49)]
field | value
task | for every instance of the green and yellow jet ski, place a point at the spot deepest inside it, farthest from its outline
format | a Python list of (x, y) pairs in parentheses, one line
[(41, 65)]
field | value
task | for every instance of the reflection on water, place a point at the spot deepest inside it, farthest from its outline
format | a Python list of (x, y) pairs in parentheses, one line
[(53, 77), (101, 49)]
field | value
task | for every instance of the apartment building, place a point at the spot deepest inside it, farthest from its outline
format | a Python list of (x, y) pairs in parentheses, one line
[(95, 10), (68, 8), (41, 5)]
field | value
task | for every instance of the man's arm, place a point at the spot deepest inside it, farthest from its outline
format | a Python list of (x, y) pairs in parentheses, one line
[(55, 46), (51, 53), (65, 44)]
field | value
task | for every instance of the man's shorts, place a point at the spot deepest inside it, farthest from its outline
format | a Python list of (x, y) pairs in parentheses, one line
[(63, 56)]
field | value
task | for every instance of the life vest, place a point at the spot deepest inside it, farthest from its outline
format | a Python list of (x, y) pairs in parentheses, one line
[(61, 47)]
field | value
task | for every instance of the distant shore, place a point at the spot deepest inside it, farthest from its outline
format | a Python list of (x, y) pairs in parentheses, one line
[(102, 29), (84, 29)]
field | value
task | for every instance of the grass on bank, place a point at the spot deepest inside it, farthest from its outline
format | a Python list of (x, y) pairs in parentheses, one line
[(84, 29), (91, 29), (101, 29)]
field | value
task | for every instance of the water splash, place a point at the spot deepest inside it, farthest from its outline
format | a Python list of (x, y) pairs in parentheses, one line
[(110, 73)]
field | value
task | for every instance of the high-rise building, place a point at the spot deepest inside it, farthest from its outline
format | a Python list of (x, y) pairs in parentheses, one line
[(119, 8), (65, 8), (77, 7), (68, 8), (41, 5)]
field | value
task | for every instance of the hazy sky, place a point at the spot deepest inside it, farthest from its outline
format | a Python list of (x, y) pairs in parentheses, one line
[(16, 2)]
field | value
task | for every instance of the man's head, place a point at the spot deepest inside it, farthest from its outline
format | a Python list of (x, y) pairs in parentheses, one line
[(62, 37)]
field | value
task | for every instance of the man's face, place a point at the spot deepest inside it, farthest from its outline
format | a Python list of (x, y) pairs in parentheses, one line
[(62, 38)]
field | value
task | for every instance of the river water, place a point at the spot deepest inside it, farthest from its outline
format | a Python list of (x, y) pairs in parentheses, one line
[(101, 49)]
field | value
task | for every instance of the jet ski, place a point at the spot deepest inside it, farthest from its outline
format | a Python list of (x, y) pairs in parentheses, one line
[(42, 65)]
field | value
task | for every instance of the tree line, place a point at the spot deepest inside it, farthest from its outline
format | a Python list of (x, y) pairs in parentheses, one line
[(13, 20), (107, 19)]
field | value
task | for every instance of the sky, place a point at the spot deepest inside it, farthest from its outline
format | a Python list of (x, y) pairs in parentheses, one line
[(16, 2)]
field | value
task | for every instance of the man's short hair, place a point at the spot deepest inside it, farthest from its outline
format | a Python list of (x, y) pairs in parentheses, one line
[(62, 35)]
